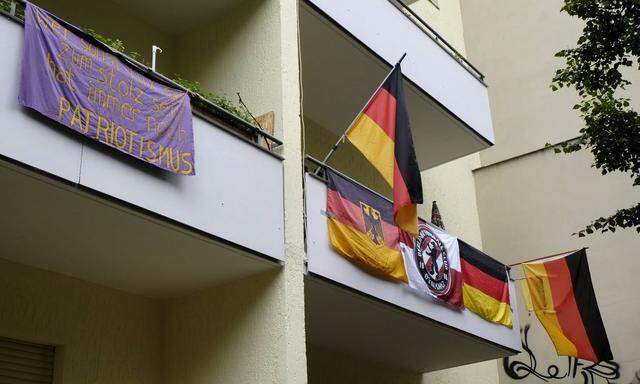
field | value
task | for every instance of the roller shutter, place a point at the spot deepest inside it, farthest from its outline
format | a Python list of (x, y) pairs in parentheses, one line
[(25, 363)]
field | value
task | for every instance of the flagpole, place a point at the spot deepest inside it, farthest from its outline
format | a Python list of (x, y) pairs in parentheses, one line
[(342, 137), (546, 257)]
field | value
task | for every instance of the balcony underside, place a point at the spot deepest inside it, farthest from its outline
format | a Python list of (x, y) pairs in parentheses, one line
[(342, 319), (171, 17), (449, 112), (57, 226)]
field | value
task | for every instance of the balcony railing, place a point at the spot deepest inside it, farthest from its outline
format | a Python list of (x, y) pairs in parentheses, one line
[(235, 123), (416, 342), (218, 206), (344, 57), (435, 36)]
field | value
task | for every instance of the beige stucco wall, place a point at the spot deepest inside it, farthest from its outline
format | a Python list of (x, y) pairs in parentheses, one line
[(114, 21), (238, 50), (233, 333), (253, 49), (445, 19), (532, 201), (226, 334), (529, 207), (514, 44), (327, 366), (347, 159), (453, 187), (479, 373), (292, 277), (451, 184), (106, 336), (517, 53)]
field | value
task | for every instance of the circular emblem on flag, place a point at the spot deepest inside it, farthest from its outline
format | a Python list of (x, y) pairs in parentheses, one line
[(432, 261)]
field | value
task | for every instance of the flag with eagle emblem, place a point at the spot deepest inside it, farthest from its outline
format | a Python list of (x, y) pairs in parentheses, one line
[(362, 228)]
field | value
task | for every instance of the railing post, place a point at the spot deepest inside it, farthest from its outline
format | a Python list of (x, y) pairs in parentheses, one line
[(12, 11), (154, 51)]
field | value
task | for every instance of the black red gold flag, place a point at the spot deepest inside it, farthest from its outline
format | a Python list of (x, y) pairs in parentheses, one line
[(383, 135), (564, 301), (361, 228), (485, 285)]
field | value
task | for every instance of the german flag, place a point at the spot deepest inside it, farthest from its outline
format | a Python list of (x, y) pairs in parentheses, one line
[(361, 228), (383, 135), (485, 285), (564, 301)]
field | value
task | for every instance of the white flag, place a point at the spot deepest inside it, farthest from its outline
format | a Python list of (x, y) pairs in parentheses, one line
[(432, 262)]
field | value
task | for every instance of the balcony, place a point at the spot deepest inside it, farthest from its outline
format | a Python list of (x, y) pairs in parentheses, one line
[(349, 46), (355, 313), (82, 209), (347, 49)]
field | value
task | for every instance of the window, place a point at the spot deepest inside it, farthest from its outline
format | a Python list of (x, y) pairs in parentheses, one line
[(24, 362)]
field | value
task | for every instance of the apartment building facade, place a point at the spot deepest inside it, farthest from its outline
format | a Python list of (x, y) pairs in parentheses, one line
[(113, 271), (530, 200), (117, 272)]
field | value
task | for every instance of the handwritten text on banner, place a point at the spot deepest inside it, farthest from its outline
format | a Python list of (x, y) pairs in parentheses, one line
[(76, 83)]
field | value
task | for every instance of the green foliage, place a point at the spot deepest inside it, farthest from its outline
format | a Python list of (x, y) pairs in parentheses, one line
[(116, 44), (138, 57), (609, 45), (5, 6), (194, 86), (221, 101), (610, 41)]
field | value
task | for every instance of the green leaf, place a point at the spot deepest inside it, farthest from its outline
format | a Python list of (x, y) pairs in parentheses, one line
[(598, 68)]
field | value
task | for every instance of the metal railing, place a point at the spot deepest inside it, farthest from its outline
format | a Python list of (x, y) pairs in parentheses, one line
[(323, 177), (438, 39), (212, 108)]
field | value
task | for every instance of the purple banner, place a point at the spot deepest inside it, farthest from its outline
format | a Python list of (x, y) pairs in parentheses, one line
[(93, 92)]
